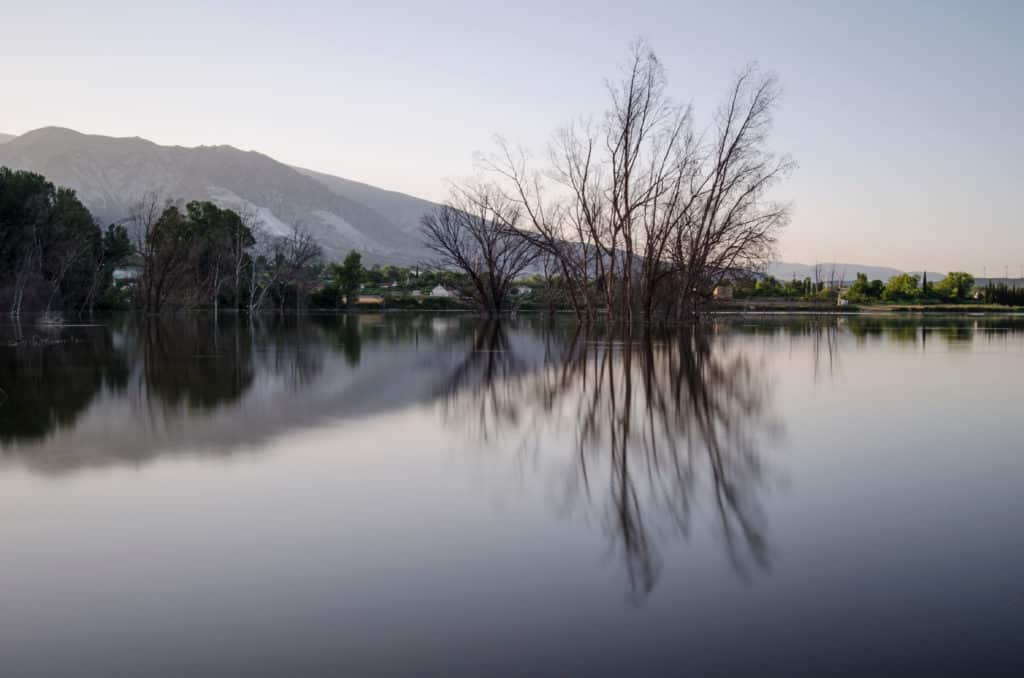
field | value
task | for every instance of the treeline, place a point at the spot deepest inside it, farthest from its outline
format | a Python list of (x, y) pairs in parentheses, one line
[(54, 258), (956, 286), (207, 256), (1003, 294)]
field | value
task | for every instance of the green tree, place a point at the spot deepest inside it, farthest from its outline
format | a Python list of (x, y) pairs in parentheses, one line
[(902, 287), (858, 290), (116, 246), (794, 289), (957, 285), (170, 249), (222, 239), (47, 243), (112, 249), (861, 290), (347, 277), (769, 286)]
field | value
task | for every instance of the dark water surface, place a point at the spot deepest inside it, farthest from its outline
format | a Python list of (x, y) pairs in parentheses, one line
[(424, 495)]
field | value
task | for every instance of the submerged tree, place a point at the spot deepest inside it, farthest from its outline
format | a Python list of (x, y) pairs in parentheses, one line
[(642, 208), (207, 255), (170, 246), (283, 267), (476, 233)]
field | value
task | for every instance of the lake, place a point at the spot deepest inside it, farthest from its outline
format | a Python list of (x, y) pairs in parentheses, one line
[(437, 495)]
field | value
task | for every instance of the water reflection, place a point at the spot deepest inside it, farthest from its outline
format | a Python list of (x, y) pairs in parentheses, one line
[(645, 427), (48, 379), (191, 368), (654, 421), (356, 459), (192, 363), (128, 389)]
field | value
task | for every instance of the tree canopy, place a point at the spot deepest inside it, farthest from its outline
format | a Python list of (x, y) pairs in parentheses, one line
[(957, 285), (49, 245), (902, 287)]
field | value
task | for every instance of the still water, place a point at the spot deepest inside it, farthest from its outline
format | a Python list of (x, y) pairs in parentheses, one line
[(424, 495)]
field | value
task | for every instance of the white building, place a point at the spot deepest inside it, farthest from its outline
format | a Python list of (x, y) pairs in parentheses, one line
[(440, 291), (127, 273)]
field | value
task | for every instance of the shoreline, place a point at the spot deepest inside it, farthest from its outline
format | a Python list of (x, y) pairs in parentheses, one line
[(812, 308)]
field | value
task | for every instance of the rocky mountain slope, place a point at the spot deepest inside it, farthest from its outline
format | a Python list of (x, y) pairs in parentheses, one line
[(111, 173)]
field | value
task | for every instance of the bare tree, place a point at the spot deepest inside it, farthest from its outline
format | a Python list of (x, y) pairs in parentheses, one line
[(728, 224), (642, 208), (476, 233), (565, 228), (242, 241), (301, 255), (142, 218), (280, 264), (170, 250), (26, 263)]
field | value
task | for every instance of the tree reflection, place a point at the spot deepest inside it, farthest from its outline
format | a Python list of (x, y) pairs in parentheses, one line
[(642, 428), (48, 376), (289, 348), (196, 363), (657, 425)]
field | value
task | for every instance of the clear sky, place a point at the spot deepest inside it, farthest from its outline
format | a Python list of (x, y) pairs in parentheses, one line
[(905, 118)]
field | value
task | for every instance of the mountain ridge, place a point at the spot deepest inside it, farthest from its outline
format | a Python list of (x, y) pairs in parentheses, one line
[(111, 173), (785, 270)]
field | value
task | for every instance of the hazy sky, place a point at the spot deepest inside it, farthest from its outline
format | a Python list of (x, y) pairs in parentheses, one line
[(904, 117)]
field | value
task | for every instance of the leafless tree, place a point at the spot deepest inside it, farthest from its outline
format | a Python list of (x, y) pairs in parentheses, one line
[(563, 227), (280, 264), (476, 232), (142, 218), (645, 210), (243, 239), (26, 264), (728, 222)]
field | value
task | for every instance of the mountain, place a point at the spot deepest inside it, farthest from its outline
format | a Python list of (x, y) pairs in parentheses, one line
[(787, 271), (111, 173), (403, 210)]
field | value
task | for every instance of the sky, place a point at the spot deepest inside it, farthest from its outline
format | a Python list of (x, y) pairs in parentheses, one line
[(904, 118)]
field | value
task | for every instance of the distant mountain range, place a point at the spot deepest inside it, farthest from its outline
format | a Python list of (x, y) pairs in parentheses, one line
[(111, 173)]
